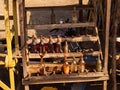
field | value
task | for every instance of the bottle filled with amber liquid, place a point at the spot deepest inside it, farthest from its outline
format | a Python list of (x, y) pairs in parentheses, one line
[(66, 47), (74, 15), (73, 66), (81, 67), (53, 18), (66, 68)]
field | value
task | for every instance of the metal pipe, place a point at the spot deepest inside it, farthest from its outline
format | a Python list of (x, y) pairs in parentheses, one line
[(9, 47), (11, 76), (4, 86)]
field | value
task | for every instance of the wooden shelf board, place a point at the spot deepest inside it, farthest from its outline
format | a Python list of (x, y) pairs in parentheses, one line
[(58, 55), (68, 7), (81, 38), (117, 70), (82, 77), (65, 25), (50, 3)]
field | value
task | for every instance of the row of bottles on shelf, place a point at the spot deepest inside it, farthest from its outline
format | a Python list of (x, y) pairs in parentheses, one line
[(69, 67), (80, 67), (55, 45), (74, 66), (49, 47)]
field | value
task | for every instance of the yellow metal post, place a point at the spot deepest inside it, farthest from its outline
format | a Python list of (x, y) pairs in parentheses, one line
[(9, 47), (15, 25), (11, 75), (8, 33), (4, 86)]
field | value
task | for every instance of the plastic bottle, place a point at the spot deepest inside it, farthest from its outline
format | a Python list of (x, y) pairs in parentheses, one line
[(74, 16), (73, 67), (66, 68), (98, 65), (66, 47), (53, 18)]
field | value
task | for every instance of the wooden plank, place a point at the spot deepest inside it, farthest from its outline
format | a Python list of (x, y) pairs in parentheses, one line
[(22, 32), (108, 10), (117, 70), (48, 3), (36, 65), (118, 39), (113, 46), (65, 25), (51, 55), (80, 75), (21, 6), (58, 55), (69, 7), (107, 35), (82, 38), (15, 22), (105, 85), (83, 77)]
